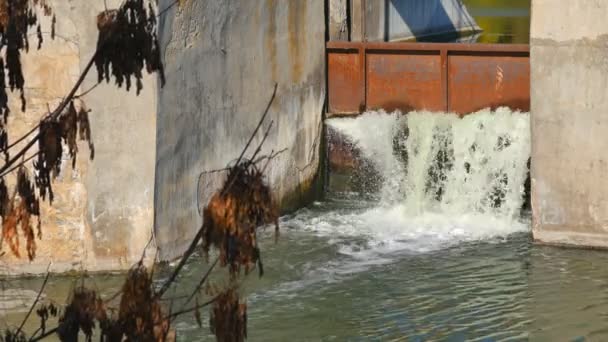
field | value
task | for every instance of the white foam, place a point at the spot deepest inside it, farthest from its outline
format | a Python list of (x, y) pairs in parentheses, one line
[(484, 149), (389, 230)]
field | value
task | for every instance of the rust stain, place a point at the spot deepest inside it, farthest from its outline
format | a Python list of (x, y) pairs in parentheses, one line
[(271, 36), (297, 37), (404, 81), (460, 78), (345, 82), (477, 82)]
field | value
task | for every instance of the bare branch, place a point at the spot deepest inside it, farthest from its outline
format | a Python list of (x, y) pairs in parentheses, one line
[(86, 92), (52, 115), (44, 335), (200, 283), (255, 131), (194, 308), (20, 164), (182, 262)]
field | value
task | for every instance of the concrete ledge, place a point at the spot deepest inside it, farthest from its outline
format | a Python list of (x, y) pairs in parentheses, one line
[(571, 239)]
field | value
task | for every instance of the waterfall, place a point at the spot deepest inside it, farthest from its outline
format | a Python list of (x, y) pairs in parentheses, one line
[(439, 163)]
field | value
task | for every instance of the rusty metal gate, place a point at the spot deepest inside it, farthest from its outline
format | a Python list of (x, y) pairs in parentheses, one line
[(451, 77)]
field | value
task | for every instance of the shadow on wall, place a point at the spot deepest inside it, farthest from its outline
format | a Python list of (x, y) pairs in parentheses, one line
[(427, 20)]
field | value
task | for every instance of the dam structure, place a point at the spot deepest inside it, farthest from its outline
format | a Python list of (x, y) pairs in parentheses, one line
[(424, 171), (331, 60)]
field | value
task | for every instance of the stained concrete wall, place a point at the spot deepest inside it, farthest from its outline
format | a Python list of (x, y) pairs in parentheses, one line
[(569, 44), (222, 59), (102, 216)]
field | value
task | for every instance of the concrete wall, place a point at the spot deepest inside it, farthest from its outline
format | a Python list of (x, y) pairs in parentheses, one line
[(102, 216), (569, 122), (222, 59)]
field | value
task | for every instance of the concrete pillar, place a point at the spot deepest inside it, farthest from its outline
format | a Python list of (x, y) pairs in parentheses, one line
[(569, 106), (222, 60), (102, 216)]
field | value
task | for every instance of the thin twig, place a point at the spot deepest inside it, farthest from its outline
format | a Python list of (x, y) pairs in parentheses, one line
[(143, 254), (72, 93), (174, 298), (182, 262), (15, 158), (194, 308), (54, 114), (86, 92), (272, 155), (267, 162), (36, 332), (255, 132), (250, 161), (215, 171), (257, 150), (262, 142), (21, 138), (200, 283), (257, 128), (20, 164), (45, 335), (167, 8), (46, 279)]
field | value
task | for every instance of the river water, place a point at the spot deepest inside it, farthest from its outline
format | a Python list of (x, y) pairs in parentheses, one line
[(385, 268), (502, 21)]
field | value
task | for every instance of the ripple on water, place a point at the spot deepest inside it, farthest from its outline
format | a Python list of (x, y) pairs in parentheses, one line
[(322, 287)]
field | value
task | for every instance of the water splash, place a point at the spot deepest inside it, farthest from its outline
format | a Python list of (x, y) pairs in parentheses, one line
[(441, 163), (446, 179)]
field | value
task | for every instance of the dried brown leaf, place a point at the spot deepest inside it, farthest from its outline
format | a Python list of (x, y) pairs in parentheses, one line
[(233, 215), (228, 321)]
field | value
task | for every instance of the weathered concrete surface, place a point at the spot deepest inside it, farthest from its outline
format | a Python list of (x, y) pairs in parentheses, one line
[(410, 19), (569, 44), (102, 216), (357, 20), (222, 59), (338, 20)]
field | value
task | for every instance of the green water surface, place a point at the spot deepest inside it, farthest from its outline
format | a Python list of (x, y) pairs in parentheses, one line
[(321, 287)]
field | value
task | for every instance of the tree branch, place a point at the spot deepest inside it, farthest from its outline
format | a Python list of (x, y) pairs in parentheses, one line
[(200, 283), (45, 335), (20, 164), (52, 115), (194, 308)]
